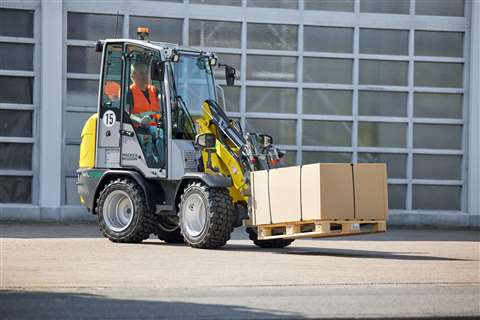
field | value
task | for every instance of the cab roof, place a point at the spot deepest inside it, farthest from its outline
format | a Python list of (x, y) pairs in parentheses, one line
[(155, 45)]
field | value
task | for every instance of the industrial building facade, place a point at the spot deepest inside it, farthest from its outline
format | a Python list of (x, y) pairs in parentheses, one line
[(330, 80)]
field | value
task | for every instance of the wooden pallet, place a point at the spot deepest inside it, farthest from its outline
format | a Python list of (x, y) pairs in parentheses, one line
[(319, 228)]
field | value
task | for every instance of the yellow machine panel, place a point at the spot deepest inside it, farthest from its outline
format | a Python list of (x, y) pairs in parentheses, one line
[(87, 146), (222, 160)]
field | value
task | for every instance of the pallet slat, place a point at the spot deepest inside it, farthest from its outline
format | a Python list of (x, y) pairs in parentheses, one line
[(319, 228)]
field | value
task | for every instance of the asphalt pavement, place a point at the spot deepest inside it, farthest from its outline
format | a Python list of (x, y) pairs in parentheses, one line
[(58, 271)]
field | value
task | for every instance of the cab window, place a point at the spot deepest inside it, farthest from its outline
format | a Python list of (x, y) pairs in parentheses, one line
[(112, 77), (144, 102)]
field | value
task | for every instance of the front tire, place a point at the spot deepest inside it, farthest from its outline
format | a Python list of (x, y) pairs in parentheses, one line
[(123, 215), (206, 216)]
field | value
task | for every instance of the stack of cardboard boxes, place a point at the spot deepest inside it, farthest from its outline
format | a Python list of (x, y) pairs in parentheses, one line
[(322, 191)]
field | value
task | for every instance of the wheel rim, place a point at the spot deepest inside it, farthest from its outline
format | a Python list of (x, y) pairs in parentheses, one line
[(118, 211), (194, 214)]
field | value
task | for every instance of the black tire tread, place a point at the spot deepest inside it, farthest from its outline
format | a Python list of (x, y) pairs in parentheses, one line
[(147, 221), (221, 212), (169, 236), (268, 244)]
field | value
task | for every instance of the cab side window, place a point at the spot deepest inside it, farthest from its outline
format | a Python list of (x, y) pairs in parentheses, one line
[(112, 77), (142, 72)]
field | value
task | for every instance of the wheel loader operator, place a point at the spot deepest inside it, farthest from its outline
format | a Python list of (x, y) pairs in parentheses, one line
[(145, 111)]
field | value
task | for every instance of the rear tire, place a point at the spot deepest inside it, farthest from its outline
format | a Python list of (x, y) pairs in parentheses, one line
[(170, 236), (206, 216), (123, 215), (268, 244)]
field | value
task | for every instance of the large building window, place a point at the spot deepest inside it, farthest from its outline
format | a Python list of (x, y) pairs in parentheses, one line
[(382, 6), (271, 36), (82, 76), (329, 5), (214, 34), (161, 29), (18, 105)]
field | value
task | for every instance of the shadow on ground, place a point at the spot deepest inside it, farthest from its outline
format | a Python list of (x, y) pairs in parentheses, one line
[(346, 253), (55, 305), (415, 234), (325, 252), (18, 305), (394, 234), (29, 230)]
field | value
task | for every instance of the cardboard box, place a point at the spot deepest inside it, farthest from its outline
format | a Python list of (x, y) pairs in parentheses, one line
[(327, 191), (260, 197), (284, 186), (371, 194), (321, 191)]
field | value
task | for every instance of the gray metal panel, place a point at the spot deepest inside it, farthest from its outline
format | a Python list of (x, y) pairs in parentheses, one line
[(108, 157), (71, 192), (70, 158), (51, 104), (181, 157), (108, 136), (474, 114)]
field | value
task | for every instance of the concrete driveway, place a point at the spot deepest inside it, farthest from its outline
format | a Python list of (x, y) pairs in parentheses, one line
[(70, 272)]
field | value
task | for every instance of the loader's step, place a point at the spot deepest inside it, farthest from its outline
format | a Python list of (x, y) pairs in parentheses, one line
[(319, 228)]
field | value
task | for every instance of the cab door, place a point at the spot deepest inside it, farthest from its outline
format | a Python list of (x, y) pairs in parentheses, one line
[(143, 130), (108, 124)]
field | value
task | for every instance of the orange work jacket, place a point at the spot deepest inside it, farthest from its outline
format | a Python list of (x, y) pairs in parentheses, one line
[(112, 90), (140, 102)]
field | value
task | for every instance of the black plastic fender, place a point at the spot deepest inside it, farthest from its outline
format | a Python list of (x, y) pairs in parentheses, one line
[(154, 193), (87, 184), (211, 180)]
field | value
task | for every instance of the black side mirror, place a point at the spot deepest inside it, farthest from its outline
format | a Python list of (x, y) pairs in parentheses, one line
[(206, 140), (230, 75), (265, 140), (158, 71)]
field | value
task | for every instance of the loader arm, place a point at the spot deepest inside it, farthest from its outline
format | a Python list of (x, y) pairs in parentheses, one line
[(225, 159)]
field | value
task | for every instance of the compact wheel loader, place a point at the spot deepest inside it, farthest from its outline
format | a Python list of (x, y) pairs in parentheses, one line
[(161, 157), (160, 171)]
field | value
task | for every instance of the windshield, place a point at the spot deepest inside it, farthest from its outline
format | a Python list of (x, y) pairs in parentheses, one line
[(194, 81), (182, 123)]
